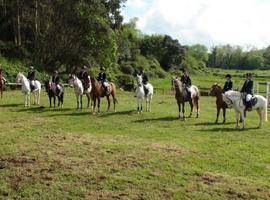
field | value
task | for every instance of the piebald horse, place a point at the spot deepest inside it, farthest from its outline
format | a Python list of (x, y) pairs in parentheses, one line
[(234, 99), (140, 94), (181, 97), (75, 82), (98, 91), (26, 90), (51, 90)]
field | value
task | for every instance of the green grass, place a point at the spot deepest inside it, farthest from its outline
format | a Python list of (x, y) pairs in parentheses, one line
[(69, 154)]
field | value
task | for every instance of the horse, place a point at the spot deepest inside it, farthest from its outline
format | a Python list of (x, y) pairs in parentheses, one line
[(51, 90), (98, 91), (26, 90), (216, 91), (141, 94), (234, 99), (2, 85), (79, 91), (181, 97)]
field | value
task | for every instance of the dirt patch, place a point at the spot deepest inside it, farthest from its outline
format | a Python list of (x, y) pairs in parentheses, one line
[(167, 148), (228, 187)]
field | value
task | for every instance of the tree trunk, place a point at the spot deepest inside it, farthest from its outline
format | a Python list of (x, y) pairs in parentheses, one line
[(36, 20), (18, 25)]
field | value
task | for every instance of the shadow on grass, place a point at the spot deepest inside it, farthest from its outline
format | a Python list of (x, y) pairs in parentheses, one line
[(43, 109), (213, 123), (10, 105), (228, 129), (162, 119), (111, 113)]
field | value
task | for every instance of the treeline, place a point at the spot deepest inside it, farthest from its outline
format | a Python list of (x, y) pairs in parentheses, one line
[(67, 34)]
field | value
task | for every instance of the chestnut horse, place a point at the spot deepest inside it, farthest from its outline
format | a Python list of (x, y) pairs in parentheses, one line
[(98, 91), (2, 85), (216, 91)]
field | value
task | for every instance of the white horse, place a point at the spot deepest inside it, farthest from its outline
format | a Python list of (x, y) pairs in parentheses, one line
[(26, 90), (75, 82), (234, 99), (140, 94)]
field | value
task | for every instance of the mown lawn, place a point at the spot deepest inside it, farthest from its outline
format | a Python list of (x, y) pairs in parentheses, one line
[(69, 154)]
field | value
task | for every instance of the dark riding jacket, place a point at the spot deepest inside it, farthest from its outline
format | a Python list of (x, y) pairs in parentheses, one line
[(31, 75), (56, 79), (186, 80), (144, 79), (228, 86), (247, 87), (102, 77)]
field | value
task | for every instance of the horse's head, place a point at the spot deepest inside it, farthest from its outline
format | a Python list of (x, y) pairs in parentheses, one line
[(215, 90), (71, 79), (48, 85), (19, 77), (139, 79), (175, 83)]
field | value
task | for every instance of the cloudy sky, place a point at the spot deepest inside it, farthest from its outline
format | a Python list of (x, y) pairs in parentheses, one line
[(209, 22)]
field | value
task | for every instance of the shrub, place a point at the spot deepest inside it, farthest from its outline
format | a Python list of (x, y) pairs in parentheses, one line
[(125, 81), (127, 69)]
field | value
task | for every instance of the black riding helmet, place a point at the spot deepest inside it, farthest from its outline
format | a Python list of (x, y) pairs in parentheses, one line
[(228, 76)]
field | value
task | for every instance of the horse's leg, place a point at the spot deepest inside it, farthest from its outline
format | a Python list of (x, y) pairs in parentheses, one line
[(98, 105), (38, 97), (179, 109), (78, 96), (224, 115), (218, 110), (138, 105), (146, 100), (50, 99), (29, 99), (197, 105), (94, 107), (25, 100), (141, 102), (191, 108), (237, 118), (88, 99), (150, 100), (260, 113), (183, 110), (242, 114), (81, 96), (109, 102), (54, 102)]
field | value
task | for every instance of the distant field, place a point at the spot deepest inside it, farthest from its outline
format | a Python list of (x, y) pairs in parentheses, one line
[(69, 154)]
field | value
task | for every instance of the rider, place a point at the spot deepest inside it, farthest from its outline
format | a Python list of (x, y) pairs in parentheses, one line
[(185, 79), (31, 77), (247, 89), (103, 78), (228, 84), (144, 81), (56, 80), (84, 77)]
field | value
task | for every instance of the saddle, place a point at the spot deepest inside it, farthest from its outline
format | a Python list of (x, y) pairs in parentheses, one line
[(252, 102)]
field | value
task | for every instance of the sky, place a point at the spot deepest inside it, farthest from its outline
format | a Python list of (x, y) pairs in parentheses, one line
[(210, 22)]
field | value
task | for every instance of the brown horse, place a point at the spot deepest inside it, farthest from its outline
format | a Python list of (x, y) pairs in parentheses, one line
[(98, 91), (216, 91), (2, 85), (181, 97)]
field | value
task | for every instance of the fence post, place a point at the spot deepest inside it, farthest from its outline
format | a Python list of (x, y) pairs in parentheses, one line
[(267, 98)]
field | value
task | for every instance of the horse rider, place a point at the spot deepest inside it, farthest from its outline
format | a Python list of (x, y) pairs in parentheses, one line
[(228, 84), (2, 75), (103, 78), (85, 78), (31, 76), (247, 90), (186, 81), (56, 81), (144, 81)]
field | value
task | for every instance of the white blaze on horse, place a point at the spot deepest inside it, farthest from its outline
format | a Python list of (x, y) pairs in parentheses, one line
[(141, 94), (79, 91), (26, 90), (181, 97), (234, 99)]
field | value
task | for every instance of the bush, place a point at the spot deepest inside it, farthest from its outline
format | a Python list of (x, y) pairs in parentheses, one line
[(127, 69), (160, 74), (125, 81)]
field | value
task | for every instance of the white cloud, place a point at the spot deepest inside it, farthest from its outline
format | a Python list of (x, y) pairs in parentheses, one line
[(210, 22)]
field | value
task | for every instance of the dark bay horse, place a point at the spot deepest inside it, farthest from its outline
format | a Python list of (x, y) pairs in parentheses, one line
[(181, 97), (2, 85), (51, 90), (216, 91), (98, 91)]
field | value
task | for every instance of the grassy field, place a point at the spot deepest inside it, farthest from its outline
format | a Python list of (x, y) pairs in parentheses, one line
[(69, 154)]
